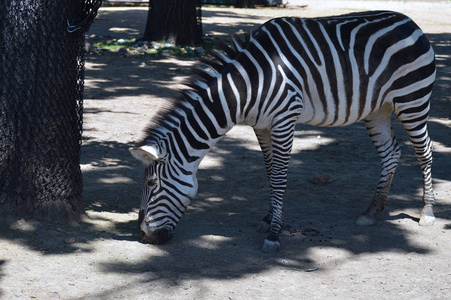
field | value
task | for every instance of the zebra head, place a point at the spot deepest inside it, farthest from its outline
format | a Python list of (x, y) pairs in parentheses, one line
[(168, 189)]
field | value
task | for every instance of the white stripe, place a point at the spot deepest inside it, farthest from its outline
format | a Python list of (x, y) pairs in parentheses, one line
[(340, 41), (355, 102), (330, 105), (237, 96), (224, 104), (389, 52), (421, 61), (374, 38), (273, 68)]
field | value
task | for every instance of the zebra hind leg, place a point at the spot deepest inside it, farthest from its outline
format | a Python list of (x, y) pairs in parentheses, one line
[(416, 126), (379, 129)]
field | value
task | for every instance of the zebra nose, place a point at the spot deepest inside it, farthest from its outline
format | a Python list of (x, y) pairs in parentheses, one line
[(158, 236)]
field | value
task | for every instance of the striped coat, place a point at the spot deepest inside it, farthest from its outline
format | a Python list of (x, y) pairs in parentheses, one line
[(326, 72)]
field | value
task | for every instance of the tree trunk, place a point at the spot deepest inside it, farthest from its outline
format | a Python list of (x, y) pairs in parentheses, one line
[(41, 87), (174, 21)]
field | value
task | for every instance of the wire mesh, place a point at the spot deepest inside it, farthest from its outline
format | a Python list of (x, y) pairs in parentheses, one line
[(41, 107)]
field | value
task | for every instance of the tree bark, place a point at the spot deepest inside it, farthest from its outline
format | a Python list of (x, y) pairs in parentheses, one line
[(41, 86), (173, 21)]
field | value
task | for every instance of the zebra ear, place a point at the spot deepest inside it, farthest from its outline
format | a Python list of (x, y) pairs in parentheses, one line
[(148, 153)]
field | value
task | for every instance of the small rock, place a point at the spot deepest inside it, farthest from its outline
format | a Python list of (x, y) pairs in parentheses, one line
[(24, 225), (321, 180), (310, 232), (69, 240)]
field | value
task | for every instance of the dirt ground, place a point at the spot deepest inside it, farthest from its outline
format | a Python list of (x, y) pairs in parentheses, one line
[(215, 252)]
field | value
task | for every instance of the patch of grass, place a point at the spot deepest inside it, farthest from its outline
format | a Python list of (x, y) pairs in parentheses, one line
[(157, 48), (115, 44)]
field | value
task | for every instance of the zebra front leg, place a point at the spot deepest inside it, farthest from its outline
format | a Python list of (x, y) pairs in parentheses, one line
[(264, 139), (379, 129), (278, 184), (282, 140)]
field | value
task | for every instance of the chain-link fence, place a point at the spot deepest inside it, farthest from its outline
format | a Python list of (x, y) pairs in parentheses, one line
[(41, 103)]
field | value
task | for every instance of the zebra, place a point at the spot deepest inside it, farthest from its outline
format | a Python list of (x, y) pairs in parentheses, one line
[(328, 71)]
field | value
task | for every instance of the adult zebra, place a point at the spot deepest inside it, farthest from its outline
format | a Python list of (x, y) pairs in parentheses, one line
[(328, 72)]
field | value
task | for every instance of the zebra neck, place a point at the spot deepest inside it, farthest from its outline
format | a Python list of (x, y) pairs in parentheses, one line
[(192, 127)]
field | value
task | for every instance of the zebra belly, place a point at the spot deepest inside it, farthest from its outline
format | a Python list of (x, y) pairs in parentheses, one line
[(320, 117)]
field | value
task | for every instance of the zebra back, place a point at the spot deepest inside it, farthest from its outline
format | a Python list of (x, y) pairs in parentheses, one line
[(347, 66)]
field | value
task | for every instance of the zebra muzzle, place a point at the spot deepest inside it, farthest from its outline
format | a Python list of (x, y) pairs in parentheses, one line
[(153, 235), (157, 236)]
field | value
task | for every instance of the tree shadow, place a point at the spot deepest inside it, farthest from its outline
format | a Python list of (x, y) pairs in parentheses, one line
[(138, 76), (128, 23)]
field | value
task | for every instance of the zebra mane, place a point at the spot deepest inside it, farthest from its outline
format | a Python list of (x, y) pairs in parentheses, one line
[(215, 63), (202, 77)]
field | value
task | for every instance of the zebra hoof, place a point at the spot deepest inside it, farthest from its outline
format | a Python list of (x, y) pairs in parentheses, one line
[(263, 227), (426, 221), (427, 217), (365, 221), (270, 246)]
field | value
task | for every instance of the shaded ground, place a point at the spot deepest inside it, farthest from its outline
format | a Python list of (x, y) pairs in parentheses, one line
[(215, 253)]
